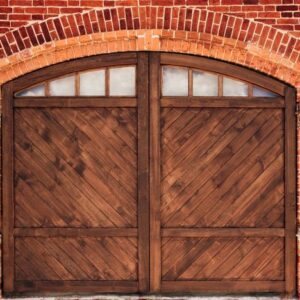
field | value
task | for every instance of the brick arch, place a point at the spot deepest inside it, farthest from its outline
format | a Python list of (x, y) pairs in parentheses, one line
[(172, 29)]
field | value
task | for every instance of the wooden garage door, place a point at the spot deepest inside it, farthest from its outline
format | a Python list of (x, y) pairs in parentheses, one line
[(148, 173)]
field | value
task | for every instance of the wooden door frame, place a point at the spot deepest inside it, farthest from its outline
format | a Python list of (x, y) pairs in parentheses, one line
[(286, 101), (148, 142), (140, 102)]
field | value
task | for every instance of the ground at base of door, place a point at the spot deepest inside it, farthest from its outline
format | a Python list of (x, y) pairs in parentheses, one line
[(110, 297)]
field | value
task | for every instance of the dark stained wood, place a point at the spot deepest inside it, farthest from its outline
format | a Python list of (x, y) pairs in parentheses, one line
[(223, 258), (83, 102), (190, 82), (74, 232), (250, 90), (223, 102), (222, 232), (77, 84), (47, 91), (290, 192), (86, 157), (220, 85), (224, 68), (143, 171), (82, 286), (218, 168), (7, 187), (155, 258), (106, 82), (222, 286), (76, 258)]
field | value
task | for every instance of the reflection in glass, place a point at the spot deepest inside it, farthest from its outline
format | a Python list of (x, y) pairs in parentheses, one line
[(205, 84), (36, 91), (260, 92), (232, 87), (92, 83), (175, 81), (122, 81), (62, 87)]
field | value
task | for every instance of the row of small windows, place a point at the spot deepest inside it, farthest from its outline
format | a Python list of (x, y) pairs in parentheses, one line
[(121, 81), (190, 82), (102, 82)]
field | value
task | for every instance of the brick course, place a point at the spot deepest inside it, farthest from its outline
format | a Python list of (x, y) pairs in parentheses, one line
[(259, 40), (281, 14)]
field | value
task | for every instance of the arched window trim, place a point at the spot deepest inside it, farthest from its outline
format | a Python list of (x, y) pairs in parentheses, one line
[(125, 59)]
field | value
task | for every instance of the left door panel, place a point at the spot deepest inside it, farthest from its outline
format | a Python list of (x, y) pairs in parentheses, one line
[(75, 196), (75, 168)]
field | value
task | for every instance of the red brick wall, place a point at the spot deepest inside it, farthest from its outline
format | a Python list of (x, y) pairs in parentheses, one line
[(260, 34), (282, 14)]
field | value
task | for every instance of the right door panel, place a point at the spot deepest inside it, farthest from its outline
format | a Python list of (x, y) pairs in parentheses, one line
[(221, 167)]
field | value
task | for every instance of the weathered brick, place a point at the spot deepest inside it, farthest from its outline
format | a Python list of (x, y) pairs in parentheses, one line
[(207, 27), (45, 32), (59, 28), (287, 7)]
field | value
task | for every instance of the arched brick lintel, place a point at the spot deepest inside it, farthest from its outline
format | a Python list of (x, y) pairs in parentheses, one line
[(186, 30), (145, 40)]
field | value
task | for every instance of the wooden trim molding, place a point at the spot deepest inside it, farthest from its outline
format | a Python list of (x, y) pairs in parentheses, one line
[(8, 187)]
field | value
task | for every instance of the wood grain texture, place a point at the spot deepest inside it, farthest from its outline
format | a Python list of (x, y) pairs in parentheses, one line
[(223, 287), (143, 172), (222, 259), (222, 168), (222, 232), (8, 211), (83, 102), (83, 286), (155, 175), (290, 193), (109, 258), (222, 102), (75, 232), (77, 166)]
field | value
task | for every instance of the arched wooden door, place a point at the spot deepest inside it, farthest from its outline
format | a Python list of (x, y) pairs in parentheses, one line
[(148, 173)]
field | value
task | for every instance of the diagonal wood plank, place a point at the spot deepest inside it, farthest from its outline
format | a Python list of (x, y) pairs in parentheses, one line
[(76, 259), (77, 179), (211, 182), (225, 258)]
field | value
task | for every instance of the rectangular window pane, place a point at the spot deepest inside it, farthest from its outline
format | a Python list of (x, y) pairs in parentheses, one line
[(259, 92), (36, 91), (62, 87), (122, 81), (205, 84), (232, 87), (175, 81), (92, 83)]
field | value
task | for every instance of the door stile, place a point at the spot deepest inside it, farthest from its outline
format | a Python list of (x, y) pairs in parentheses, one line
[(8, 189), (290, 192), (155, 238), (143, 170)]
